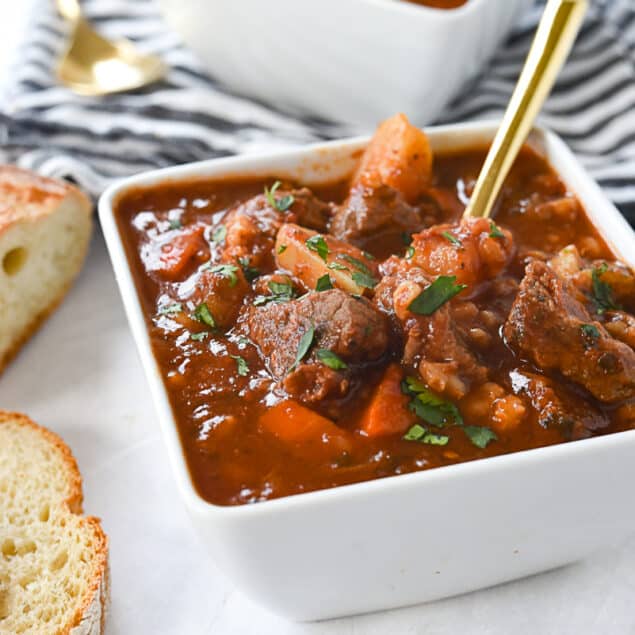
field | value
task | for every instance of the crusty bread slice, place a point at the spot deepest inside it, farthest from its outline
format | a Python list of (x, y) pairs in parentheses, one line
[(45, 228), (53, 561)]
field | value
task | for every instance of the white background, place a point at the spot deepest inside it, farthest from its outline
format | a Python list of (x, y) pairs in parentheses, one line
[(81, 377)]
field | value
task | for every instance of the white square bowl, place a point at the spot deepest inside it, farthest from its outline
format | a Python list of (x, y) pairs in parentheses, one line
[(356, 61), (415, 537)]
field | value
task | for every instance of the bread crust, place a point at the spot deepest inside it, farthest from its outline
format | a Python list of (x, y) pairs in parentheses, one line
[(26, 196), (89, 619)]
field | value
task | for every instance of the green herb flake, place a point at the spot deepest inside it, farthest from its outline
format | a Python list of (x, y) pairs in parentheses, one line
[(330, 359), (452, 239), (480, 436), (410, 252), (204, 315), (430, 407), (303, 346), (241, 364), (198, 337), (364, 280), (406, 238), (368, 255), (418, 433), (280, 292), (250, 273), (336, 266), (175, 223), (602, 292), (443, 289), (282, 249), (591, 335), (219, 234), (356, 262), (494, 231), (324, 283), (171, 309), (227, 271), (282, 203), (318, 244)]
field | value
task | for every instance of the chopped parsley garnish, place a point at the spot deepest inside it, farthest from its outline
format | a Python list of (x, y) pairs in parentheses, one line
[(453, 239), (591, 334), (418, 433), (324, 283), (175, 223), (494, 231), (406, 238), (602, 292), (280, 292), (283, 203), (199, 337), (330, 359), (364, 280), (219, 234), (410, 252), (368, 256), (428, 406), (282, 249), (356, 262), (480, 436), (227, 271), (303, 347), (318, 244), (171, 309), (203, 314), (336, 266), (243, 368), (251, 273), (439, 413), (444, 288)]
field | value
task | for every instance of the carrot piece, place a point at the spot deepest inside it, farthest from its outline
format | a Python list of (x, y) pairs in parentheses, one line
[(398, 155), (293, 423), (178, 252), (388, 411)]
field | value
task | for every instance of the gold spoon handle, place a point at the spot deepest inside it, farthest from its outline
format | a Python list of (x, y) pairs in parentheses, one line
[(554, 38)]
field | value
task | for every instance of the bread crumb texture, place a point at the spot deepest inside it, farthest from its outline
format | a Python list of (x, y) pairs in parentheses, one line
[(53, 560), (45, 228)]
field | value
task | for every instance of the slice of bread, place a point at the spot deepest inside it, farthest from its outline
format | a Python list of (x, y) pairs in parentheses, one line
[(53, 561), (45, 228)]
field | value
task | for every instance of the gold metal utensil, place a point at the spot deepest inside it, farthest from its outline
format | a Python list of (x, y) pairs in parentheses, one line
[(554, 38), (93, 65)]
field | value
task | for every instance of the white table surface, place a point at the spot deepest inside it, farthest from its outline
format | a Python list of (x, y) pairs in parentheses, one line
[(80, 376)]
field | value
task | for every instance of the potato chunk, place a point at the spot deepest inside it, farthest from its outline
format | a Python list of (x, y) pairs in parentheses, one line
[(398, 155), (310, 256)]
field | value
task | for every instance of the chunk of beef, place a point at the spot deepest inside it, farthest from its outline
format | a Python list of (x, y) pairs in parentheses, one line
[(619, 279), (252, 226), (375, 219), (434, 345), (472, 250), (350, 328), (557, 407), (549, 326)]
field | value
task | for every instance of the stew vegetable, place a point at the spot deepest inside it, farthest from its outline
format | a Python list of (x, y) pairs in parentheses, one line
[(310, 338)]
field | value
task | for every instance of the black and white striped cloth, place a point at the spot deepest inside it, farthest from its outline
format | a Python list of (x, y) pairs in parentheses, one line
[(190, 116)]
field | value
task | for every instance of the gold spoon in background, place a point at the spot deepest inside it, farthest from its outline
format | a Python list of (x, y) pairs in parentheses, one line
[(93, 65), (554, 38)]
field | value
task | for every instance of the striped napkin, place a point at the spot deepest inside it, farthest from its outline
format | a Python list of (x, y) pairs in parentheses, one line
[(191, 116)]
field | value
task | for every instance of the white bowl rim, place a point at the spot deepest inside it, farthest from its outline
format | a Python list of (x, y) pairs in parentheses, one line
[(373, 487)]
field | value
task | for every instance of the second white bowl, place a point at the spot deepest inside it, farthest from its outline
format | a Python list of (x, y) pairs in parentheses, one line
[(354, 61)]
